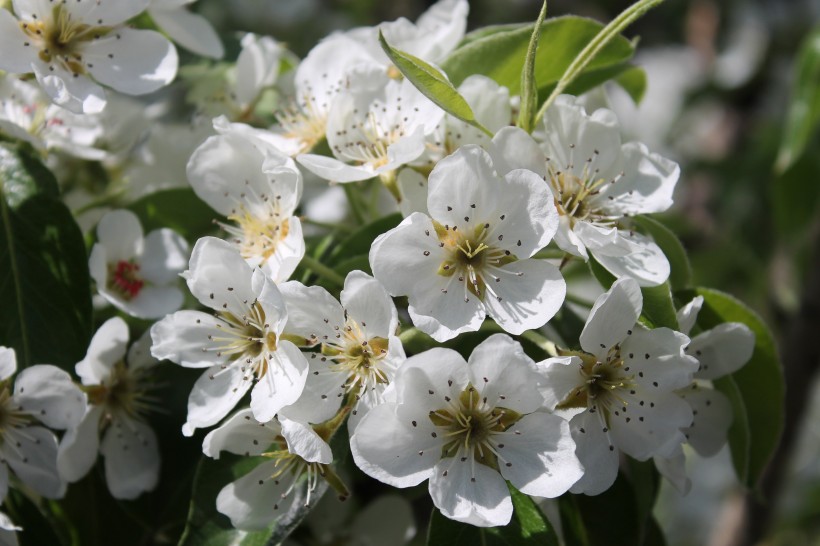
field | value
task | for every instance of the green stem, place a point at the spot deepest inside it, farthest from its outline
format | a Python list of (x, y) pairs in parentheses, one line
[(549, 254), (355, 203), (578, 300), (322, 270), (109, 199), (326, 225), (532, 336), (613, 29)]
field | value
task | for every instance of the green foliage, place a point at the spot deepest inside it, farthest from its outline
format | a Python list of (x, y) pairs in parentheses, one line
[(207, 527), (796, 195), (756, 390), (432, 83), (680, 275), (178, 209), (633, 81), (528, 527), (529, 89), (804, 110), (499, 53), (44, 282)]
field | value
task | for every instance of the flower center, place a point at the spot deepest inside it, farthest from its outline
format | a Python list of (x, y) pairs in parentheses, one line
[(305, 124), (471, 257), (353, 353), (603, 382), (62, 38), (572, 195), (10, 415), (469, 424), (246, 339), (123, 278), (258, 235), (124, 391)]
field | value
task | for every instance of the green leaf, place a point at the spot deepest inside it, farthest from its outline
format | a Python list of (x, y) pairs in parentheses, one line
[(756, 390), (633, 81), (804, 109), (796, 195), (499, 52), (528, 527), (179, 209), (38, 527), (207, 527), (45, 289), (529, 89), (681, 270), (360, 241), (432, 83)]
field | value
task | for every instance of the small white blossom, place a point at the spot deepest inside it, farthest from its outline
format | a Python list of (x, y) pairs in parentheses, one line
[(360, 352), (468, 426), (73, 47), (293, 450), (8, 531), (240, 344), (137, 275), (257, 188), (42, 395), (472, 255), (620, 389), (114, 424), (190, 30)]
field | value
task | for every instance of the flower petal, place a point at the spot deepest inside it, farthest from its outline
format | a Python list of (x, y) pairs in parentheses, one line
[(241, 434), (131, 458), (513, 149), (107, 347), (596, 453), (256, 499), (303, 441), (48, 392), (184, 338), (368, 303), (77, 94), (712, 417), (79, 446), (34, 460), (190, 30), (562, 377), (15, 56), (334, 170), (612, 317), (722, 350), (647, 264), (164, 257), (470, 492), (120, 233), (8, 362), (214, 394), (218, 276), (312, 312), (282, 384), (499, 368), (688, 315)]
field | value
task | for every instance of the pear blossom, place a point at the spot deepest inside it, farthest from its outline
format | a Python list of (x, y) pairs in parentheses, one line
[(118, 389), (292, 449), (8, 531), (373, 128), (43, 396), (190, 30), (473, 255), (360, 352), (241, 344), (75, 47), (598, 183), (720, 351), (258, 189), (467, 427), (28, 114), (137, 275), (620, 389)]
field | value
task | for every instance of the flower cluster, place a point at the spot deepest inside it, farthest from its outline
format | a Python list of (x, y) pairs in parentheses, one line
[(299, 330)]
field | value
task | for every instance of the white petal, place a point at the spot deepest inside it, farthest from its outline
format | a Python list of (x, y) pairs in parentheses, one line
[(120, 233), (465, 184), (165, 256), (471, 493), (413, 187), (184, 338), (15, 56), (541, 455), (393, 451), (649, 429), (722, 350), (289, 252), (405, 150), (646, 186), (303, 441), (366, 301), (107, 347), (498, 367), (647, 265), (332, 169), (562, 376), (441, 28), (312, 312), (444, 315), (131, 458), (657, 357), (323, 393), (596, 453), (214, 394), (4, 489), (8, 362), (612, 317), (139, 354), (490, 103), (190, 30), (256, 499), (712, 417), (218, 275), (34, 460), (80, 94), (48, 393), (513, 149), (568, 241), (78, 448), (241, 435), (688, 315), (105, 13), (282, 383), (528, 294), (257, 66), (152, 302), (134, 62), (674, 469), (531, 218)]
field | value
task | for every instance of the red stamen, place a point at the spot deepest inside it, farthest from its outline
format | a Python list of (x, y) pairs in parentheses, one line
[(125, 279)]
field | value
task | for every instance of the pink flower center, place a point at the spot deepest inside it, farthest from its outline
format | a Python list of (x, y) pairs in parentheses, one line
[(125, 279)]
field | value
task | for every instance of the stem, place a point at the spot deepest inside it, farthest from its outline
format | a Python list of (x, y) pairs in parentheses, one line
[(355, 204), (613, 29), (548, 254), (322, 270), (326, 225), (532, 336), (102, 201)]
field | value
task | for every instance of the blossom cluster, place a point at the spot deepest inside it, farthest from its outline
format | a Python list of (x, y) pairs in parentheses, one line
[(490, 221)]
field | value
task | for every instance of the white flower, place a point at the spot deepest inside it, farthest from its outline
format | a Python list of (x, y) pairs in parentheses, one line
[(257, 188), (190, 30), (468, 426), (8, 531), (374, 128), (117, 388), (360, 352), (719, 351), (472, 258), (66, 44), (137, 275), (41, 393), (597, 183), (621, 387), (28, 114), (240, 344), (293, 450)]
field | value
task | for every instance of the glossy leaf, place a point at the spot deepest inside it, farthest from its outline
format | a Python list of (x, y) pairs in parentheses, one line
[(759, 396), (633, 81), (680, 275), (44, 282), (500, 52), (529, 88), (179, 209)]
